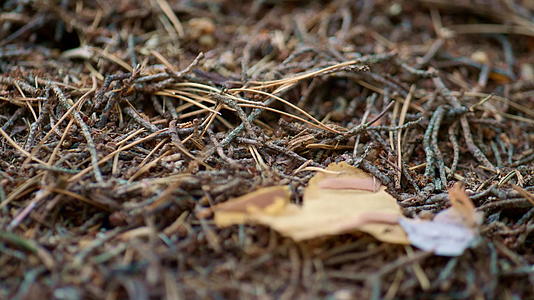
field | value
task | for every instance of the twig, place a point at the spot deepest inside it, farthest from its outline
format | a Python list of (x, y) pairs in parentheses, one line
[(496, 154), (236, 131), (381, 114), (395, 128), (402, 118), (13, 118), (131, 50), (130, 111), (420, 73), (220, 150), (240, 113), (178, 144), (35, 125), (85, 131), (98, 99), (434, 48), (370, 102), (465, 125), (455, 148), (19, 148), (37, 22), (435, 148), (180, 74), (375, 279), (371, 168), (16, 82), (507, 203), (523, 161)]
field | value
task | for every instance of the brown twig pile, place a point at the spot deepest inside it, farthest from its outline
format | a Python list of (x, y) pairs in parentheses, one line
[(122, 121)]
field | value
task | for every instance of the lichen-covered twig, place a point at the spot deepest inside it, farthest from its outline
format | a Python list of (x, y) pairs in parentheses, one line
[(440, 111), (130, 111), (240, 112), (477, 153), (85, 131), (16, 82), (455, 147)]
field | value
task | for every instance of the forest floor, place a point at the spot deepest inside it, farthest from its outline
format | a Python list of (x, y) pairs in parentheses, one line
[(123, 123)]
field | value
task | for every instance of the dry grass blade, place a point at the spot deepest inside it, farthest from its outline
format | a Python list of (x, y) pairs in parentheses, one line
[(291, 116), (166, 8), (291, 80), (169, 93), (289, 104), (19, 148)]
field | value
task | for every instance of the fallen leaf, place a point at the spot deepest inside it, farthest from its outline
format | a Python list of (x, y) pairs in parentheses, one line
[(463, 205), (342, 201), (451, 231), (351, 183), (443, 239), (271, 200)]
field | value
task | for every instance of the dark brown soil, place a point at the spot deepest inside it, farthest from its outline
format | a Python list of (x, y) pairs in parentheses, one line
[(123, 121)]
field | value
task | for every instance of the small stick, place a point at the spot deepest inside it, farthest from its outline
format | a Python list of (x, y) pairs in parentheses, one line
[(98, 99), (85, 131), (131, 50), (123, 148), (435, 148), (35, 125), (19, 148), (370, 102), (15, 82), (240, 113), (429, 169), (236, 131), (374, 281), (434, 48), (157, 106), (297, 53), (170, 107), (523, 161), (362, 127), (507, 203), (220, 150), (416, 72), (394, 86), (477, 153), (382, 112), (42, 194), (130, 111), (405, 170), (13, 118), (371, 168), (37, 22), (496, 153), (180, 74), (455, 147), (395, 128), (178, 143), (402, 117)]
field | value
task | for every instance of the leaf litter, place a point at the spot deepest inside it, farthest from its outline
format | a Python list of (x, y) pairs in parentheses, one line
[(120, 122), (342, 201), (451, 231), (346, 199)]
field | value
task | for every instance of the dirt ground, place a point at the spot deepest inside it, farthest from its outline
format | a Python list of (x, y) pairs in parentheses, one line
[(123, 122)]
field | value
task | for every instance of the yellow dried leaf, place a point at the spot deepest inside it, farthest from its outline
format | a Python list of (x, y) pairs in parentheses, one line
[(271, 201), (342, 201)]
